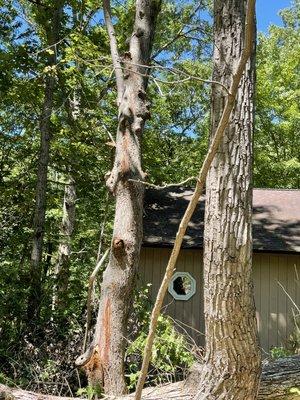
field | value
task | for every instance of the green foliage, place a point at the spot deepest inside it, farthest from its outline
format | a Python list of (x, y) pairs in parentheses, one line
[(277, 139), (90, 392), (174, 146), (177, 132), (171, 356), (279, 352)]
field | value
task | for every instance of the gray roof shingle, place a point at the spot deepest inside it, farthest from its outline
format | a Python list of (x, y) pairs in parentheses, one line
[(276, 219)]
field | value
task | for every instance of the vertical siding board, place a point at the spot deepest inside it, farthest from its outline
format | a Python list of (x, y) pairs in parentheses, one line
[(190, 307), (291, 291), (169, 303), (273, 311), (256, 268), (142, 267), (141, 270), (194, 317), (154, 259), (182, 311), (157, 273), (265, 291), (198, 262), (282, 300), (179, 304), (148, 266)]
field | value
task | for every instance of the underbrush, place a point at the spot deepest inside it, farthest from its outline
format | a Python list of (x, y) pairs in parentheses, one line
[(42, 360)]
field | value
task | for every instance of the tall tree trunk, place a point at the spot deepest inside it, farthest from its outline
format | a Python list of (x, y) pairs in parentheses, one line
[(62, 270), (52, 34), (105, 360), (232, 367)]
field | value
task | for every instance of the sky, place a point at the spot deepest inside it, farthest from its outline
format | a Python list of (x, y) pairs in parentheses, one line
[(267, 13)]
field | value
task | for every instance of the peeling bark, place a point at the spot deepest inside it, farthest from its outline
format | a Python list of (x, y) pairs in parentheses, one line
[(52, 34), (232, 367), (108, 347)]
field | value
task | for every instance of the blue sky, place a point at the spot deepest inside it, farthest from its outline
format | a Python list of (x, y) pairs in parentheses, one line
[(267, 13)]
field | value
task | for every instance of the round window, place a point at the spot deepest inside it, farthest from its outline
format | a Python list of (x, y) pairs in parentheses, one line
[(182, 286)]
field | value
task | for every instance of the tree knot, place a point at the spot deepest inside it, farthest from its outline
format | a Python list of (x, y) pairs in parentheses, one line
[(118, 248)]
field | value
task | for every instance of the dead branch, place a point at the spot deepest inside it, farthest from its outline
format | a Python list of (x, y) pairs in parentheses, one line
[(249, 32), (114, 49), (188, 77), (91, 283), (169, 185)]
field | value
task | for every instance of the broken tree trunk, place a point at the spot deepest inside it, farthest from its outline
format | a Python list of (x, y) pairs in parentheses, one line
[(104, 360), (278, 378)]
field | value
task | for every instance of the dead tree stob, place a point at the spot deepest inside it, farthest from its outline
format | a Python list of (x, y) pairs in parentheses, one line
[(104, 360)]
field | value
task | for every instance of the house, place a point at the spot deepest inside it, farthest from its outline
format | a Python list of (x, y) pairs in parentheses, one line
[(276, 260)]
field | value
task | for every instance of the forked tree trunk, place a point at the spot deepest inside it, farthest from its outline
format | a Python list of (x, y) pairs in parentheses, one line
[(232, 367), (62, 270), (104, 361), (35, 293)]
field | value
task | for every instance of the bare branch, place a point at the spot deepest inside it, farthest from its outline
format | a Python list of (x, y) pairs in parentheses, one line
[(289, 296), (114, 49), (158, 87), (170, 185), (176, 71), (109, 134), (178, 34), (249, 32), (91, 283)]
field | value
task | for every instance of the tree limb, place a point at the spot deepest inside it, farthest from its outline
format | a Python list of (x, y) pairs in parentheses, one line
[(91, 283), (169, 185), (114, 50)]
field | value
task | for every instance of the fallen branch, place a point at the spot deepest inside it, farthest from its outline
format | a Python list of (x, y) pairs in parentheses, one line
[(7, 393), (279, 378), (216, 140)]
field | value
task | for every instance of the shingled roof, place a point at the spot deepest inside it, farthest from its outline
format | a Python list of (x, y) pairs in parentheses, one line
[(276, 219)]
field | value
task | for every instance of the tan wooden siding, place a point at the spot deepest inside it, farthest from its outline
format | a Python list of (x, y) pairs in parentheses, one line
[(188, 315), (274, 303)]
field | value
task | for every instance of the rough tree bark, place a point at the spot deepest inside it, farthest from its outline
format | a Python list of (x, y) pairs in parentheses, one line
[(104, 360), (229, 102), (232, 368), (52, 30)]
